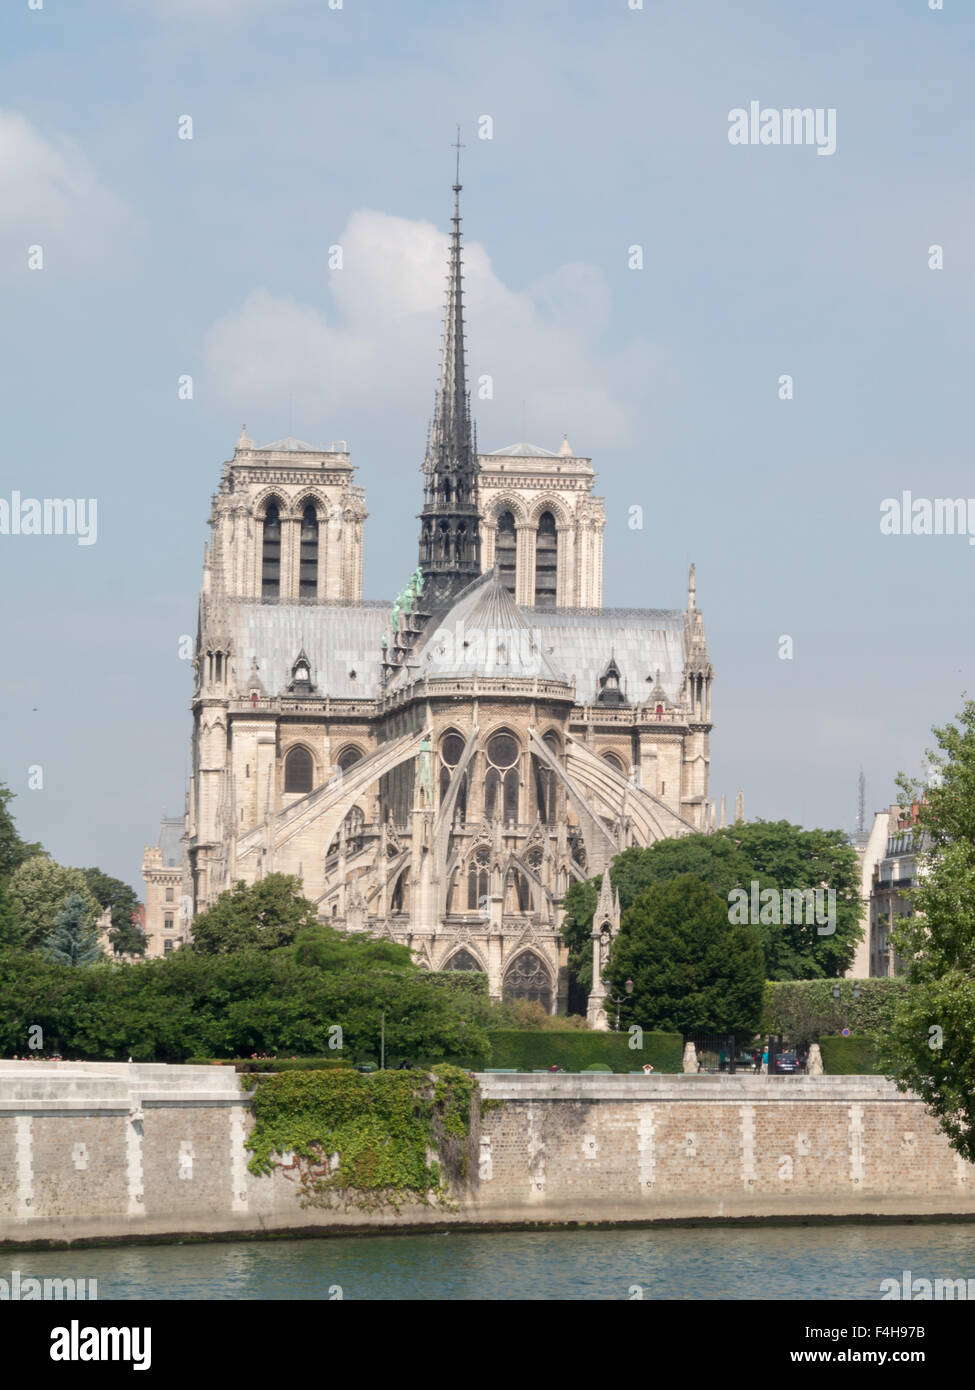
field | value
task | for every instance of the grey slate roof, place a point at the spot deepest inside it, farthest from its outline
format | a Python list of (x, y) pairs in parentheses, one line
[(524, 451), (485, 634), (641, 640), (170, 833), (338, 638), (552, 643)]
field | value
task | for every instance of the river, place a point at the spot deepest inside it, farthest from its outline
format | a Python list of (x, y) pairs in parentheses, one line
[(704, 1262)]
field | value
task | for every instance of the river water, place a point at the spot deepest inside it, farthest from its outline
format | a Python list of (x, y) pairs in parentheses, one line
[(704, 1262)]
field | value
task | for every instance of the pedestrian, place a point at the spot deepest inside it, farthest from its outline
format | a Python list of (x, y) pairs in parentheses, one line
[(647, 1068), (765, 1059)]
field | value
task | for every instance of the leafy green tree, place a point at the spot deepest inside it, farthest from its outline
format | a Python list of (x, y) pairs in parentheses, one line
[(13, 850), (579, 906), (235, 1004), (125, 934), (74, 941), (262, 915), (692, 970), (786, 857), (930, 1046), (11, 930), (328, 949), (773, 855), (39, 888)]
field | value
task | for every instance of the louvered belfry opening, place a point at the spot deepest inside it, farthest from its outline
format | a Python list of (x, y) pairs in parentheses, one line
[(271, 553), (506, 550), (546, 561), (308, 564)]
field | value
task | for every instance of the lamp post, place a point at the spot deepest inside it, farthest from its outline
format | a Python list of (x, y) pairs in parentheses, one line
[(846, 1011), (629, 990)]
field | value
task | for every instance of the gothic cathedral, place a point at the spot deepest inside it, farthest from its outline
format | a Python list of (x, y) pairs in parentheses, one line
[(440, 768)]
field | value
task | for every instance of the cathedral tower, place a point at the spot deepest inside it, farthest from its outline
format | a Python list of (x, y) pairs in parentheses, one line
[(450, 546)]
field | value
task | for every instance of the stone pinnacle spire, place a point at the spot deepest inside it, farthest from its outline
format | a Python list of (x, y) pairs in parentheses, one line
[(449, 539)]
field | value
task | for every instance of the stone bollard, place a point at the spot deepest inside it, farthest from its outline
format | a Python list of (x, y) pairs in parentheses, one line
[(814, 1062), (690, 1057)]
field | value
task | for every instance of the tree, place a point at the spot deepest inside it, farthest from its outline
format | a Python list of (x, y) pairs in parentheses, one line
[(13, 850), (579, 906), (773, 855), (74, 940), (11, 930), (125, 934), (930, 1047), (692, 970), (264, 915), (39, 889), (786, 857)]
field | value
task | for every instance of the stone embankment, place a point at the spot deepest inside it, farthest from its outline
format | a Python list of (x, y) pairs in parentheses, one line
[(92, 1150)]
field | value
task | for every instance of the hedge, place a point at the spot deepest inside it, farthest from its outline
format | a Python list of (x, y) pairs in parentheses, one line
[(852, 1056), (576, 1049), (803, 1010)]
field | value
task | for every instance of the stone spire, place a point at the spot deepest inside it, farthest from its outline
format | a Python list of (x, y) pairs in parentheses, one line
[(450, 544)]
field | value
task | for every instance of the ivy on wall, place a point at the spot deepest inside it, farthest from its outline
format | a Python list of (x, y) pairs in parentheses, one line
[(367, 1140)]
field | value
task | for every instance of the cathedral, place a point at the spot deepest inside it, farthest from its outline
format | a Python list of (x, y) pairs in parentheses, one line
[(438, 768)]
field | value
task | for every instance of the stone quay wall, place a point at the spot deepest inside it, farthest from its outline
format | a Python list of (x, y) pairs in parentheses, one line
[(93, 1150)]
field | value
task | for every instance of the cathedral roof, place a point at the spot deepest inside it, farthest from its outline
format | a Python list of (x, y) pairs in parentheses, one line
[(337, 638), (522, 451), (291, 445), (485, 633), (639, 640)]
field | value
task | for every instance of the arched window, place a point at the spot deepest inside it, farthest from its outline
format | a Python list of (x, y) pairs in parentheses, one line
[(546, 784), (477, 882), (614, 762), (518, 884), (400, 897), (271, 553), (349, 758), (308, 568), (546, 561), (299, 771), (527, 978), (451, 750), (463, 960), (505, 550), (501, 778)]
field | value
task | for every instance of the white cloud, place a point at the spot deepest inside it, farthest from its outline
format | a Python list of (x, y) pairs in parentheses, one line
[(378, 342), (50, 196)]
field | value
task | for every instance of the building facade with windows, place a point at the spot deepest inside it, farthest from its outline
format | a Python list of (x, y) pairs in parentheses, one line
[(166, 922), (439, 768)]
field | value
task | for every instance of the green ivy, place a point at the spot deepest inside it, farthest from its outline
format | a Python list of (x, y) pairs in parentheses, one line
[(367, 1140)]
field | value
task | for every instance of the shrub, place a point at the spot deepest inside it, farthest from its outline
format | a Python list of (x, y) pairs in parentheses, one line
[(574, 1050)]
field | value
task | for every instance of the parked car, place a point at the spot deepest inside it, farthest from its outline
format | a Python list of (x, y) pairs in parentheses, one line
[(786, 1061)]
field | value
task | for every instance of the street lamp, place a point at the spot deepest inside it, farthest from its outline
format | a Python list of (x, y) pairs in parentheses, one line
[(846, 1011), (629, 990)]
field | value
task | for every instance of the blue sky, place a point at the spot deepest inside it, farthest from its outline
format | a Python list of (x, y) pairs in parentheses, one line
[(314, 127)]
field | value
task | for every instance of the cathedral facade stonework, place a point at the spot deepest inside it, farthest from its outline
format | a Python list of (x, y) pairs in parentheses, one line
[(439, 769)]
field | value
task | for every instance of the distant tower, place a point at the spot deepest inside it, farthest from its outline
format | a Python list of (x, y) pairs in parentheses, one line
[(861, 802), (450, 545), (739, 806)]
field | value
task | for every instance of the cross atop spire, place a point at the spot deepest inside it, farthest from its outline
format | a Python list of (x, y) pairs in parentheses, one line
[(458, 147)]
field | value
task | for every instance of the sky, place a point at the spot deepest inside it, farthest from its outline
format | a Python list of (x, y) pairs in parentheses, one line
[(635, 280)]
